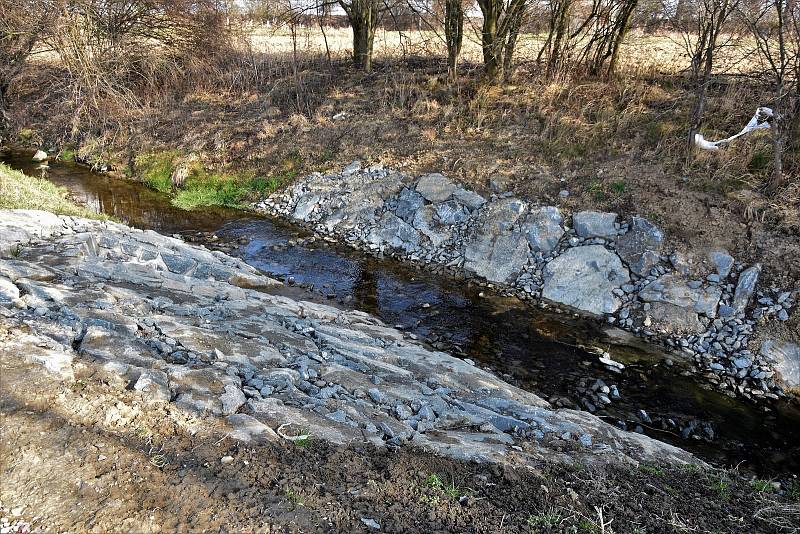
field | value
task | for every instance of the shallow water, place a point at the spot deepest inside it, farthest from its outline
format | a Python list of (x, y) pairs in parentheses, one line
[(534, 349)]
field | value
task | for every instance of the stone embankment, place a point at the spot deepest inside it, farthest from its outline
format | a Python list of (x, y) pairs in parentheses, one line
[(705, 309), (205, 332)]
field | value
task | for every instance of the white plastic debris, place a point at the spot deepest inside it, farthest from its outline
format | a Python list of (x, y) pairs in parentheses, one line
[(759, 121)]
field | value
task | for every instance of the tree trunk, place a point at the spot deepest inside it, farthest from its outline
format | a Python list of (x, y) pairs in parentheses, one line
[(363, 15), (454, 33), (624, 25), (492, 62)]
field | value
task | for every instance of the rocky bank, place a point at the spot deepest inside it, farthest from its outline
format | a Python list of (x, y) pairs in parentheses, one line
[(706, 309), (206, 333)]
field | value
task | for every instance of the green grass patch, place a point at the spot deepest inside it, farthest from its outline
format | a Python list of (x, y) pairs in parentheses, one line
[(763, 486), (66, 154), (436, 483), (20, 191), (550, 519), (651, 470), (156, 169), (722, 487), (207, 188)]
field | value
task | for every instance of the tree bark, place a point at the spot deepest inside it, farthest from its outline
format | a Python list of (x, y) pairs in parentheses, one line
[(454, 34), (363, 17)]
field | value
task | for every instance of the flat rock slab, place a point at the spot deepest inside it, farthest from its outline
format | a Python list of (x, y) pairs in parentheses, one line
[(257, 362), (677, 306), (435, 187), (585, 278), (499, 249)]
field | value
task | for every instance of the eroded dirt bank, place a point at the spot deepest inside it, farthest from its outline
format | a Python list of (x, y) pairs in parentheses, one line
[(145, 385)]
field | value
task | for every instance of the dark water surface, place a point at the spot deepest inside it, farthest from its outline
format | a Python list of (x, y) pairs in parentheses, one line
[(537, 350)]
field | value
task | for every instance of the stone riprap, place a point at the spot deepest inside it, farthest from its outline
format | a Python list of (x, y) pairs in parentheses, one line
[(201, 330), (590, 261)]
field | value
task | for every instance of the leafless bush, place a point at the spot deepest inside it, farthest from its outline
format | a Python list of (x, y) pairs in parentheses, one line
[(21, 25), (127, 53)]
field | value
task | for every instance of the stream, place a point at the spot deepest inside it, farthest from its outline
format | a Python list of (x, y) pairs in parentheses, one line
[(552, 355)]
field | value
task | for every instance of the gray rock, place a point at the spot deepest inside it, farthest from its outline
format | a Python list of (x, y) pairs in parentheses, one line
[(435, 187), (352, 168), (371, 523), (305, 206), (785, 357), (8, 291), (723, 262), (641, 245), (155, 384), (543, 228), (595, 224), (395, 232), (425, 221), (451, 212), (745, 287), (498, 251), (376, 395), (585, 278), (407, 204), (470, 199), (675, 305), (248, 429), (232, 399)]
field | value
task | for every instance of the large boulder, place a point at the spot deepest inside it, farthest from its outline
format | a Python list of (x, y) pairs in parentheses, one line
[(677, 307), (585, 278), (393, 231), (543, 228), (406, 204), (435, 187), (451, 212), (785, 357), (641, 245), (499, 250), (595, 224)]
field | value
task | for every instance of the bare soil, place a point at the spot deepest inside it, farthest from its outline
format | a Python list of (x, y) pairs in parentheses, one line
[(90, 457)]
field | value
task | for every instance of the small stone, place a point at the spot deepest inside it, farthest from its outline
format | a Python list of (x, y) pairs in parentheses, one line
[(225, 460), (371, 523), (376, 395)]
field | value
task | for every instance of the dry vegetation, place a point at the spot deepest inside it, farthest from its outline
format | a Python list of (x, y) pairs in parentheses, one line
[(259, 104)]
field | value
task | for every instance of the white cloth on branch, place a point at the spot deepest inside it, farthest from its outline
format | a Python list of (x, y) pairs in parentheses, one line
[(759, 121)]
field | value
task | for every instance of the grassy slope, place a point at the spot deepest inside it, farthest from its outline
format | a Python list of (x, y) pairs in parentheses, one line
[(19, 191)]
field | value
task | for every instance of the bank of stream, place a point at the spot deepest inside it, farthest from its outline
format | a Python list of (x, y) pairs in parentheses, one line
[(553, 355)]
